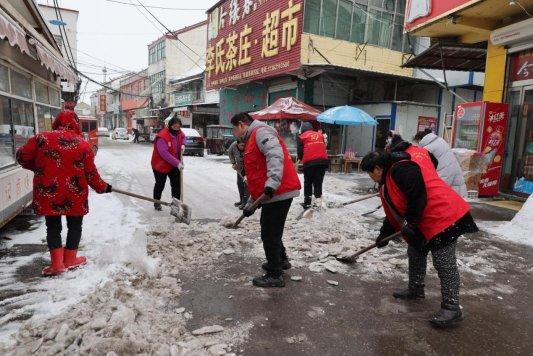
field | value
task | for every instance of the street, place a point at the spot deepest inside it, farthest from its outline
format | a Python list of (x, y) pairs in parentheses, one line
[(152, 283)]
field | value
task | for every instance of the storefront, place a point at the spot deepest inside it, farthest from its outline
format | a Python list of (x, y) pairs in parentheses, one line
[(31, 68)]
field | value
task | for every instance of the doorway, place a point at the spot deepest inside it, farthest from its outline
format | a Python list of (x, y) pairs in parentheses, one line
[(382, 130)]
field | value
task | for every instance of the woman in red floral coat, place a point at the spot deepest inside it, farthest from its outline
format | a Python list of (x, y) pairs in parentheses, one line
[(63, 163)]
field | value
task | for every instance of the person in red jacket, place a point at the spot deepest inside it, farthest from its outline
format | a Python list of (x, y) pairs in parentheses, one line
[(312, 153), (63, 164), (272, 178), (430, 215), (166, 159)]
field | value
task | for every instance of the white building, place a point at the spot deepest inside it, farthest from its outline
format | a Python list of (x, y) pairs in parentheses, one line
[(173, 55), (54, 17)]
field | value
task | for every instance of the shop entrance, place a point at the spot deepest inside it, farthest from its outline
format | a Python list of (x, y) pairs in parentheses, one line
[(520, 144)]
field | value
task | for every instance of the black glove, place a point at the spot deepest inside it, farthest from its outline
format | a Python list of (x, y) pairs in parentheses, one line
[(247, 211), (413, 236), (108, 189), (380, 243), (269, 192)]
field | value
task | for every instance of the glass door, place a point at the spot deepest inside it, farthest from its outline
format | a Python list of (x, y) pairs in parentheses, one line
[(523, 163)]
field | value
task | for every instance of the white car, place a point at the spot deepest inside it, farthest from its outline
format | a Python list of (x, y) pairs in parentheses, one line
[(120, 133), (103, 131)]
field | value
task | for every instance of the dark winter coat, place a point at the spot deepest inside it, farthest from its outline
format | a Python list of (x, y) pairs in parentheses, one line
[(63, 163)]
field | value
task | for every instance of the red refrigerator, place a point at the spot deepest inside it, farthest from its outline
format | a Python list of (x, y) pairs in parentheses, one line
[(481, 126)]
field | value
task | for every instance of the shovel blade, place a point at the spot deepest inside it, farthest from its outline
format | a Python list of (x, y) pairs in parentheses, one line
[(181, 211)]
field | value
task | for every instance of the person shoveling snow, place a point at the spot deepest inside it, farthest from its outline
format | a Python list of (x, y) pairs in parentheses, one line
[(429, 214), (272, 178), (63, 163)]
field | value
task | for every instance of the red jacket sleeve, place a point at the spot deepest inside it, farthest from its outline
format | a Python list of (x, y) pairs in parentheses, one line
[(92, 175), (27, 154)]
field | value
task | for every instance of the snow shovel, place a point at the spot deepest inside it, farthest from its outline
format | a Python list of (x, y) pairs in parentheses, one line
[(351, 259), (341, 205), (181, 211), (241, 218), (371, 211)]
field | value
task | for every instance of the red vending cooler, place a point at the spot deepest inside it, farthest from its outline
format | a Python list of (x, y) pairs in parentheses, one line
[(481, 126)]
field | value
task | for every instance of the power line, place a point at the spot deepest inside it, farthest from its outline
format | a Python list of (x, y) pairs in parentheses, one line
[(177, 38), (66, 43), (103, 61), (156, 7), (108, 87)]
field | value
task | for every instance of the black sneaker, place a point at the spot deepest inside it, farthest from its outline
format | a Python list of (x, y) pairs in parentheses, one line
[(267, 281), (158, 207), (409, 293), (237, 203), (285, 265), (241, 207), (448, 315)]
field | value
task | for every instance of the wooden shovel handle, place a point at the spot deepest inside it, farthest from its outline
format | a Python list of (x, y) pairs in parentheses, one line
[(254, 206), (116, 190), (360, 199), (368, 248)]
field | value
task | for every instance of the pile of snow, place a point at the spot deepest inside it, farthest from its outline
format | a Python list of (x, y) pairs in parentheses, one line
[(520, 229)]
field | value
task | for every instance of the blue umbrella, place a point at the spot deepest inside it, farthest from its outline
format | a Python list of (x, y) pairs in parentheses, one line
[(346, 116)]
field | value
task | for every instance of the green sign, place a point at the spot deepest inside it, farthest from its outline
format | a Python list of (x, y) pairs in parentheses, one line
[(183, 98)]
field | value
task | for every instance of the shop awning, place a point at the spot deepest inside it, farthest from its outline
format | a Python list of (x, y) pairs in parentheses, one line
[(460, 57), (287, 108), (54, 64), (16, 36)]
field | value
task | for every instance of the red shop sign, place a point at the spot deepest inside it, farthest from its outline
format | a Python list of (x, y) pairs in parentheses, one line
[(252, 39), (522, 66)]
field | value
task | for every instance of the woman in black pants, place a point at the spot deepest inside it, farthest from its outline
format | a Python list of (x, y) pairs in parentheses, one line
[(166, 159), (312, 153)]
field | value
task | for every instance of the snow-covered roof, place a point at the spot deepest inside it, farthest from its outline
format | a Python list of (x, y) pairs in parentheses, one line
[(196, 71)]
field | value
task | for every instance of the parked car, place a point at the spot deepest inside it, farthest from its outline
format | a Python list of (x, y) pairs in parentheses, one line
[(194, 145), (120, 133), (103, 131)]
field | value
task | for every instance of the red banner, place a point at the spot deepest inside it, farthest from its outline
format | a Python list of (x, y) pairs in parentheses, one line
[(522, 66), (102, 103), (252, 39), (421, 12)]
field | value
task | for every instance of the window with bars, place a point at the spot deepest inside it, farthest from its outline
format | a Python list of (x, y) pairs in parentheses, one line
[(156, 52), (378, 22)]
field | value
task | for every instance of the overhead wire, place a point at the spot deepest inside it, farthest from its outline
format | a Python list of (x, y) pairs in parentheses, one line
[(157, 7), (62, 29)]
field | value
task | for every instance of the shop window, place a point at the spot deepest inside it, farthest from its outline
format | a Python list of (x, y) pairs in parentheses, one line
[(20, 85), (41, 93), (344, 18), (398, 38), (54, 97), (44, 119), (6, 139), (22, 117), (379, 28), (358, 23), (329, 15), (312, 16), (4, 79)]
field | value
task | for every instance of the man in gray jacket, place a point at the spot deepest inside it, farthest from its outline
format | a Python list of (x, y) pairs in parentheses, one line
[(272, 178), (236, 157)]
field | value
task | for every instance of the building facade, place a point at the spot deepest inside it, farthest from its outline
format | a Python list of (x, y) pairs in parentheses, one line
[(170, 58), (324, 52), (31, 70), (135, 100), (504, 30)]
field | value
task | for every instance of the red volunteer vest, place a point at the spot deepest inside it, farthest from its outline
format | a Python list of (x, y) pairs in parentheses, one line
[(314, 146), (444, 206), (256, 169), (158, 163)]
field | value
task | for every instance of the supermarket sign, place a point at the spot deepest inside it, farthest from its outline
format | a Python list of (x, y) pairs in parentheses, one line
[(252, 39), (420, 13)]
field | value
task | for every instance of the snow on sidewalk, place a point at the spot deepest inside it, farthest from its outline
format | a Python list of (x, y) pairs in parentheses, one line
[(520, 229), (108, 242)]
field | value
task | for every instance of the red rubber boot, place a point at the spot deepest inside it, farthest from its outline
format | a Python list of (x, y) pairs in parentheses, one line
[(57, 266), (71, 261)]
